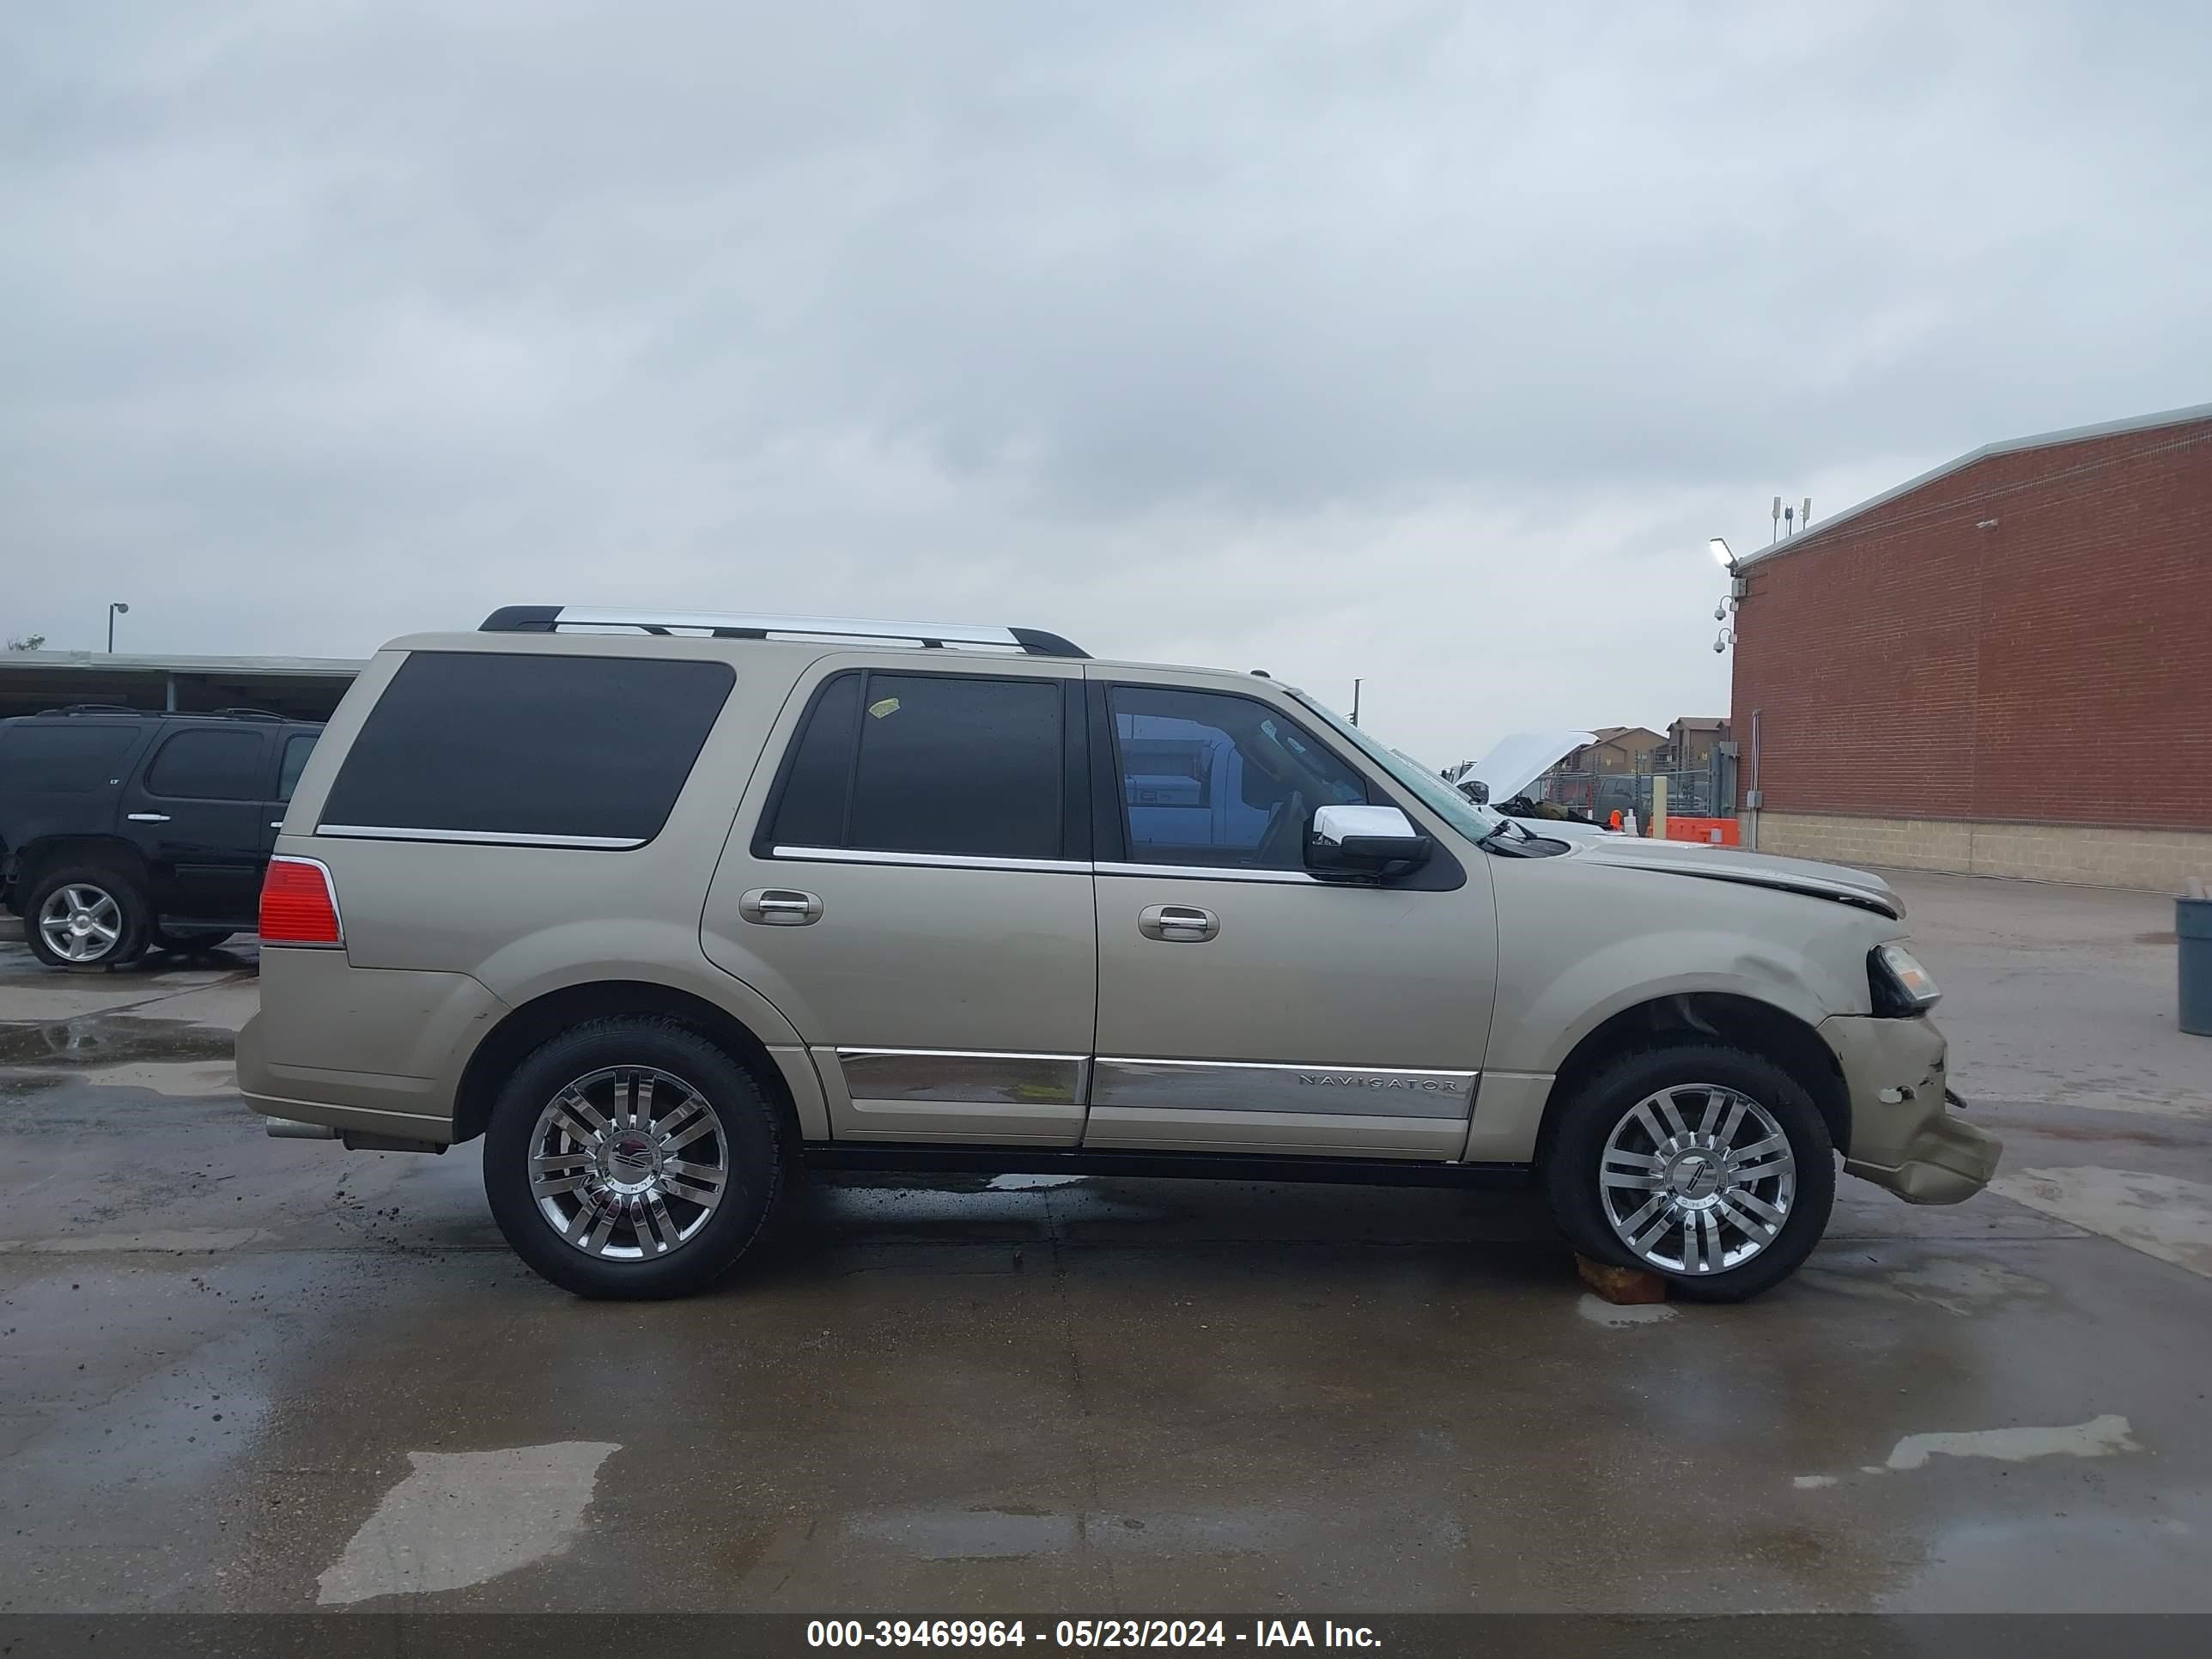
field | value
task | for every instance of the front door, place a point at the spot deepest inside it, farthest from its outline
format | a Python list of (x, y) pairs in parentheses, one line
[(1244, 1006), (911, 885), (199, 812)]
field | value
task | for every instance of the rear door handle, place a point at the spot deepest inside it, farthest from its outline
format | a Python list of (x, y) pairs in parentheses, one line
[(780, 906), (1177, 924), (147, 817)]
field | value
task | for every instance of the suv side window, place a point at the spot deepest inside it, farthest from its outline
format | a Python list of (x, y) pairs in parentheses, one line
[(928, 763), (296, 750), (556, 750), (61, 760), (208, 764), (1210, 778)]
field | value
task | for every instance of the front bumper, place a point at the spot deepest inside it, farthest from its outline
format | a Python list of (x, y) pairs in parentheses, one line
[(1904, 1136)]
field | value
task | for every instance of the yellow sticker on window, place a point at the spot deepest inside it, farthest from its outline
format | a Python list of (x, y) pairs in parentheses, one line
[(882, 707)]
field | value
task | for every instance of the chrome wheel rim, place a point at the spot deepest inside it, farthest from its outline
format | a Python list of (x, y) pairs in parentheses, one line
[(628, 1163), (1697, 1179), (80, 922)]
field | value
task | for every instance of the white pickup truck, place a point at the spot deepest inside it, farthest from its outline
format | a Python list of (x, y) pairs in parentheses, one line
[(1516, 762)]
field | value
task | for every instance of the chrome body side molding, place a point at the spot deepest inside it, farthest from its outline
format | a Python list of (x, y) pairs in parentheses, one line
[(1210, 1085)]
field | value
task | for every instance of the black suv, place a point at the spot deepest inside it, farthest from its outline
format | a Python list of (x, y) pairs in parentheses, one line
[(121, 830)]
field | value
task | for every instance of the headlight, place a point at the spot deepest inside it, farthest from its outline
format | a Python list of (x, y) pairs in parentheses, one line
[(1901, 987)]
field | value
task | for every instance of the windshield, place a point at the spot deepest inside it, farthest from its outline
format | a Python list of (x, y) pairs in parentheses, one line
[(1447, 803)]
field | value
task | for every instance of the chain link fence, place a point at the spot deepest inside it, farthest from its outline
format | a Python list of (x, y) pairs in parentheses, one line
[(1706, 791)]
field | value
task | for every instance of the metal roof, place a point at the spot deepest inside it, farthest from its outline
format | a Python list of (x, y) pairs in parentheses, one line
[(2006, 447), (293, 667)]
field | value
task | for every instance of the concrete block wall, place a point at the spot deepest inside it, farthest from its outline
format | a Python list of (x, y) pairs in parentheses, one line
[(2155, 860)]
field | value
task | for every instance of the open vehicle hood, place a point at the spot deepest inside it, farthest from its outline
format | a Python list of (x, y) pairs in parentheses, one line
[(1519, 758), (1568, 830), (1702, 862)]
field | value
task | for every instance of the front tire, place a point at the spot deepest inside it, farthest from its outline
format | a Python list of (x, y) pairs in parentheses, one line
[(1705, 1164), (87, 913), (632, 1158)]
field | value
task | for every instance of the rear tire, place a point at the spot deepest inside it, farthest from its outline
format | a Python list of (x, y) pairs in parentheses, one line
[(88, 915), (632, 1158), (1705, 1164)]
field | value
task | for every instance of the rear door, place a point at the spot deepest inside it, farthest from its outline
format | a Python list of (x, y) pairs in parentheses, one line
[(198, 810), (63, 775), (909, 880)]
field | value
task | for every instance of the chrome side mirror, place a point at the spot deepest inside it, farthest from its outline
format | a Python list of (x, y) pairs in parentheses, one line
[(1364, 840)]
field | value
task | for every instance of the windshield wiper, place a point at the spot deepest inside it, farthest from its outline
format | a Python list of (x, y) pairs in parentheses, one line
[(1485, 839)]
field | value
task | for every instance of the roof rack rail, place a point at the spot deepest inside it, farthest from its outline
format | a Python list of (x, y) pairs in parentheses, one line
[(95, 709), (242, 712), (552, 618)]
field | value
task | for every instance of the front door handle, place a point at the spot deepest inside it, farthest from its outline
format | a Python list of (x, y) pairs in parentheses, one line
[(147, 817), (1177, 924), (780, 906)]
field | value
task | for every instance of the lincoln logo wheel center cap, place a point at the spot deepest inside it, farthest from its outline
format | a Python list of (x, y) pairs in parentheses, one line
[(1696, 1175)]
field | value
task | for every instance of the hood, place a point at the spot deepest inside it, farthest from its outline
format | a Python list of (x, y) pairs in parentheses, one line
[(1519, 759), (1701, 862)]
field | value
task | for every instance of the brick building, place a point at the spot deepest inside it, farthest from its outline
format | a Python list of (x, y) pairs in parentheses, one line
[(2003, 666)]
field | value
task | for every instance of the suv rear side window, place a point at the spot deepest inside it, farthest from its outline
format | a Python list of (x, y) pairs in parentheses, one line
[(62, 760), (210, 765), (1209, 778), (928, 763), (590, 750)]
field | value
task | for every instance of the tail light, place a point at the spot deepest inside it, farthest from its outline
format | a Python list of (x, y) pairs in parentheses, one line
[(298, 906)]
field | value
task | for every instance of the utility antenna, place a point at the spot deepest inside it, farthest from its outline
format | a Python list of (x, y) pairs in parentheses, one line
[(1778, 522)]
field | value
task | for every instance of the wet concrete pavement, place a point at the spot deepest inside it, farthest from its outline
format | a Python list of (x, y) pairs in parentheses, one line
[(239, 1373)]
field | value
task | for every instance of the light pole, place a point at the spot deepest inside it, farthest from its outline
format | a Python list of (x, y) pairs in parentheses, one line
[(118, 609), (1355, 703)]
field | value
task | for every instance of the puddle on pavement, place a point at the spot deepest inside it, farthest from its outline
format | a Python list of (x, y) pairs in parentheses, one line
[(95, 1040)]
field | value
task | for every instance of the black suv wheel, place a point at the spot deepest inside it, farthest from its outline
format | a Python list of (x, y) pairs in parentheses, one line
[(1707, 1163), (631, 1157), (86, 913)]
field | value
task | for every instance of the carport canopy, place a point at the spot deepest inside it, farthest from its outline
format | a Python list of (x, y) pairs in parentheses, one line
[(299, 687)]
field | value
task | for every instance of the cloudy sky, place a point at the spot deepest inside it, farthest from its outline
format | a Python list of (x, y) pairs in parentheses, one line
[(1422, 341)]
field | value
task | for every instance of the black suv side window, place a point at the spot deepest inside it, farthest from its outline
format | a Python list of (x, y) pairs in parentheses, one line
[(296, 750), (968, 766), (61, 760), (1210, 778), (209, 764)]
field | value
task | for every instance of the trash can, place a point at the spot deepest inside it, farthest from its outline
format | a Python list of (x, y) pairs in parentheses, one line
[(2192, 926)]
